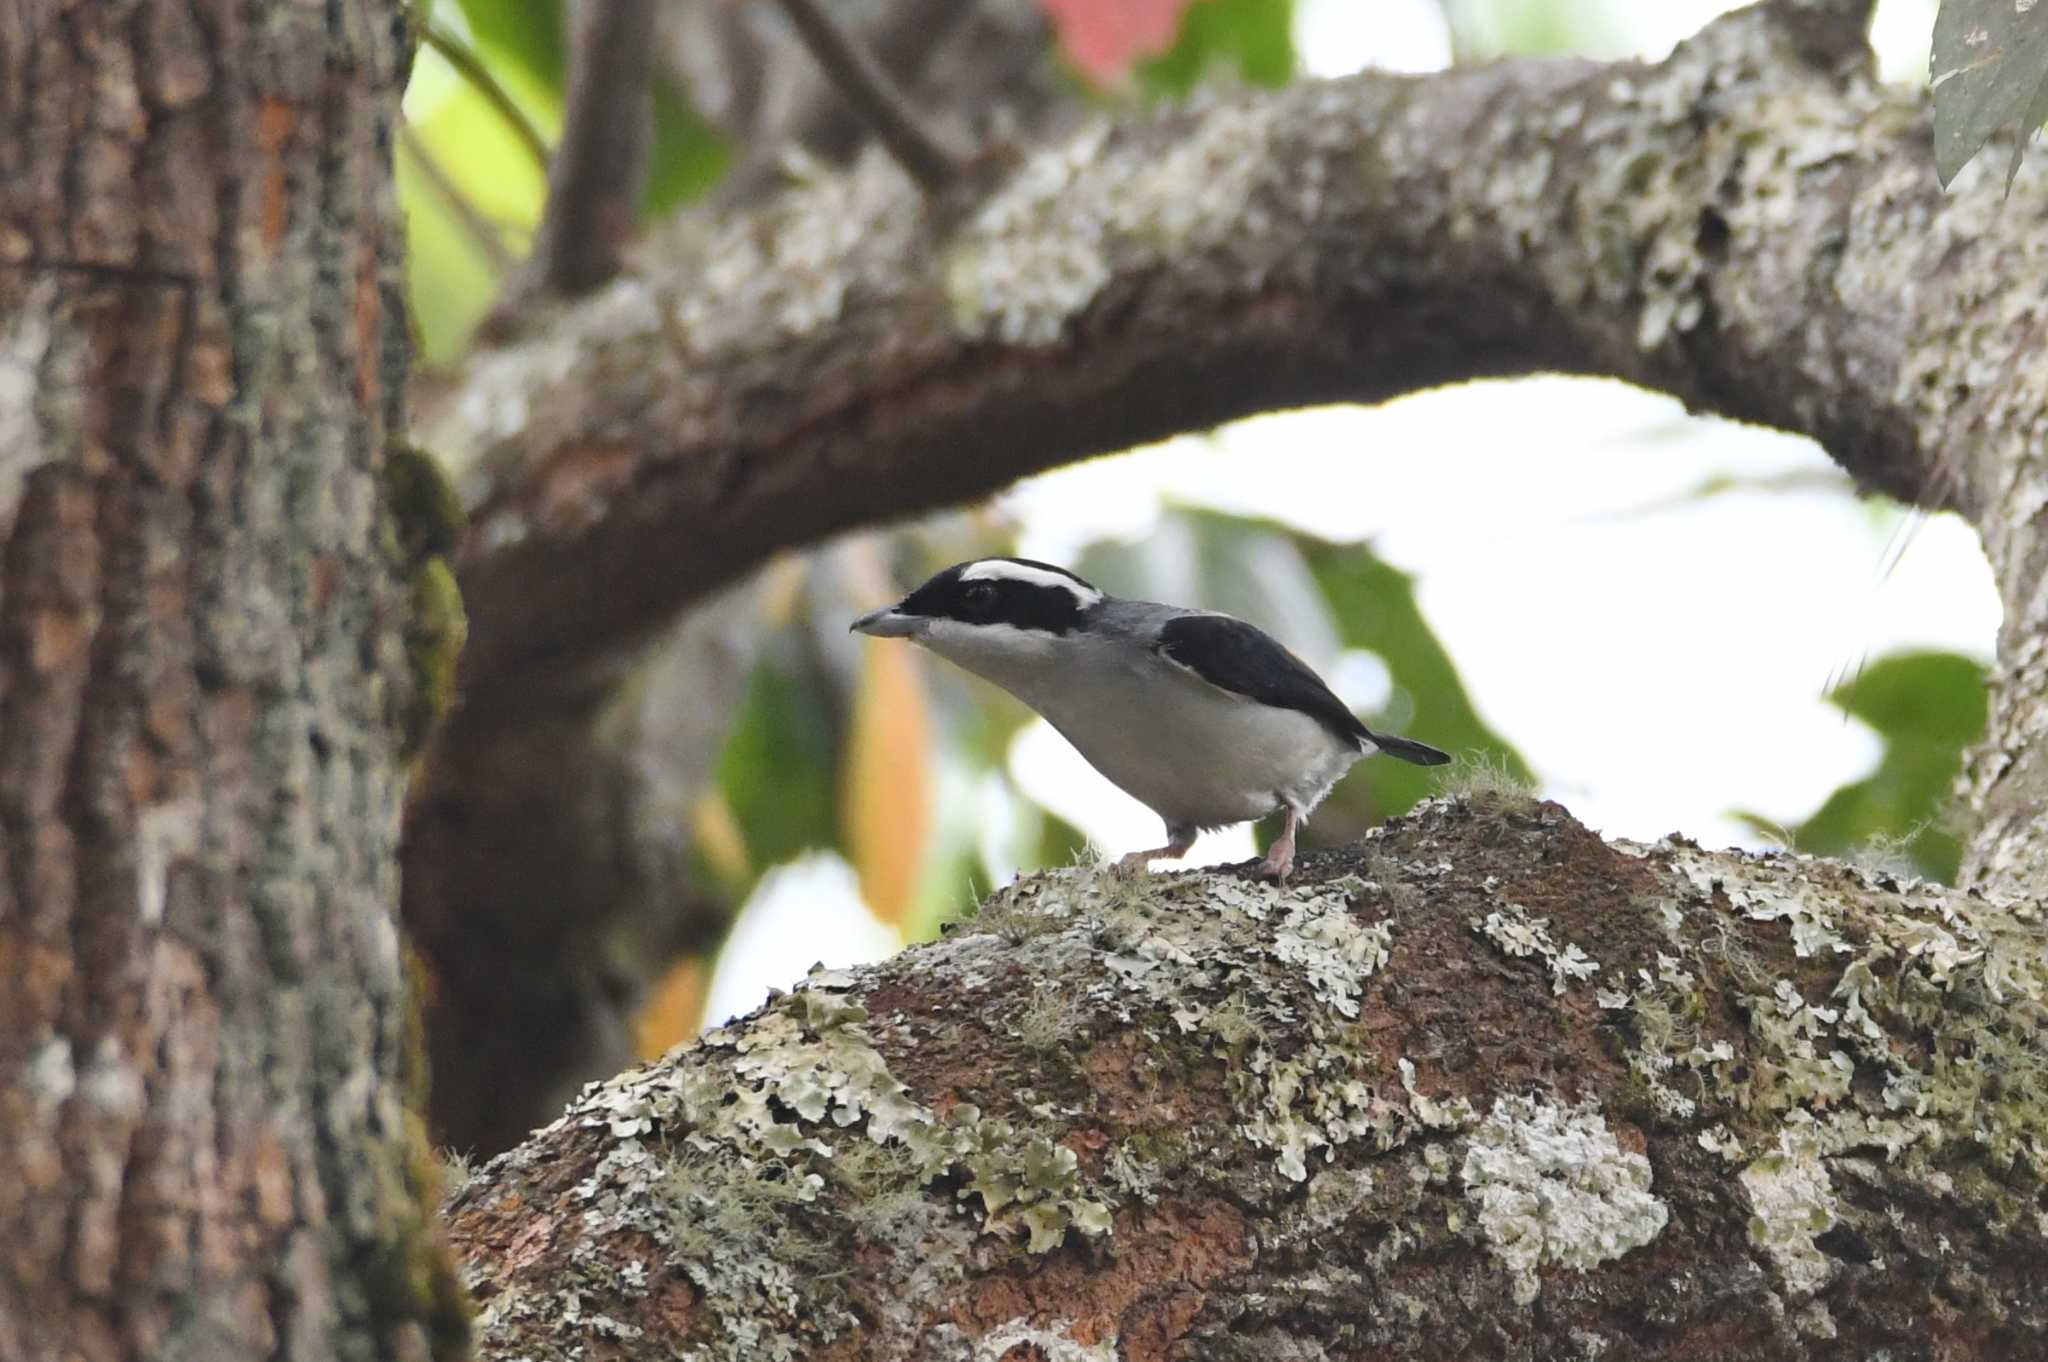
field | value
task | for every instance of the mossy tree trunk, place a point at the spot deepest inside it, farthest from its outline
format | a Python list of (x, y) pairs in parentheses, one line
[(205, 1151)]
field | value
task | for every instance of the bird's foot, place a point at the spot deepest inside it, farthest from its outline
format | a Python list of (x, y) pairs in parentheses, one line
[(1279, 862), (1136, 863)]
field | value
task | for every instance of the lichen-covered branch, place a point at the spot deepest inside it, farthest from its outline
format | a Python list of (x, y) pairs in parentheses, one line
[(1742, 225), (1480, 1086)]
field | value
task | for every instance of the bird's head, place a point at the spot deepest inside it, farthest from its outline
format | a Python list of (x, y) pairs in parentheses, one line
[(990, 609)]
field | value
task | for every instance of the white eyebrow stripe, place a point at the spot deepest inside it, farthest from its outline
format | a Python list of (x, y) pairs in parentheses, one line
[(995, 569)]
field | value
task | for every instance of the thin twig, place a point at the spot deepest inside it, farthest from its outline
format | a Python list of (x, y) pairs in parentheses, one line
[(868, 89), (600, 166), (467, 215), (472, 69)]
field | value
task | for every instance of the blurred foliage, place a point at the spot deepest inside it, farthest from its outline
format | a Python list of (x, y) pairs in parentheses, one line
[(1374, 604), (1174, 45), (523, 47), (1926, 707), (1990, 75), (1252, 39), (886, 800), (1482, 30), (779, 765), (530, 36), (526, 34), (674, 1010)]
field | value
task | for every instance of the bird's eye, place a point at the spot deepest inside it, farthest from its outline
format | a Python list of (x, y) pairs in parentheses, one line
[(980, 598)]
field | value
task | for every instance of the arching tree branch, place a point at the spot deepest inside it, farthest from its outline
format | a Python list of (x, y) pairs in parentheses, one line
[(1734, 226)]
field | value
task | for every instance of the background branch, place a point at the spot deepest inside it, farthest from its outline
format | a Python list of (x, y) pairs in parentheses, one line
[(598, 171), (1171, 273), (867, 87)]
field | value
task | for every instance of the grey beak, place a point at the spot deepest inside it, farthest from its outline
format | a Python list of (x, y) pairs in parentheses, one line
[(888, 622)]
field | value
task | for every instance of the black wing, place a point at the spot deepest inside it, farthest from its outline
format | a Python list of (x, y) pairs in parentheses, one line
[(1244, 659)]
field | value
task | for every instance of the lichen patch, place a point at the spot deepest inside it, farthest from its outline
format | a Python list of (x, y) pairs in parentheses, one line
[(1792, 1202), (1553, 1186)]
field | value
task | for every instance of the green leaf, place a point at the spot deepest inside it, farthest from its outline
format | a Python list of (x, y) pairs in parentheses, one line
[(1253, 38), (690, 155), (1989, 72), (778, 767), (1926, 707), (527, 33), (1375, 607)]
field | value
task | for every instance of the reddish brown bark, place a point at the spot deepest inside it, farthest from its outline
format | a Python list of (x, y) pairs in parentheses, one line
[(1480, 1087), (204, 1148)]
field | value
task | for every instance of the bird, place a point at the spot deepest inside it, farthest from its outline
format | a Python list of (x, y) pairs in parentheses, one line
[(1205, 719)]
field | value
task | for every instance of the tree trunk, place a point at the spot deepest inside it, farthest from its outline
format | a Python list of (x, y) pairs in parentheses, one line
[(205, 1150)]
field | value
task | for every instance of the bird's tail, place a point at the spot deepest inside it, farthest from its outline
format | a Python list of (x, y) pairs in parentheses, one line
[(1407, 749)]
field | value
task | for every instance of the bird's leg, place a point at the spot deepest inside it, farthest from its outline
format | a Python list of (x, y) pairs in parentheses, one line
[(1175, 848), (1280, 856)]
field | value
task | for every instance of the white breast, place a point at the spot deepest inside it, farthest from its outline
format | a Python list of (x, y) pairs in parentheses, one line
[(1196, 755)]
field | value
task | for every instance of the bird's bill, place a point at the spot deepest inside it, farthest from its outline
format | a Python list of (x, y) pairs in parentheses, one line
[(889, 622)]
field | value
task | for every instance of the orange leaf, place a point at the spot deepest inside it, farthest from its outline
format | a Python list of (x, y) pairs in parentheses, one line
[(674, 1011), (886, 800)]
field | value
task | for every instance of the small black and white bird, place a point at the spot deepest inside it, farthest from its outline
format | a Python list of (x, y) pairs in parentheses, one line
[(1202, 718)]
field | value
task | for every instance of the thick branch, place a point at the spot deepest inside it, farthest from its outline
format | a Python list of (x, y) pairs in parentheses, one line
[(1731, 227), (1481, 1087)]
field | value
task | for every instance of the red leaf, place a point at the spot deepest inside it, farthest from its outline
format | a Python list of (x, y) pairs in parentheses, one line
[(1104, 37)]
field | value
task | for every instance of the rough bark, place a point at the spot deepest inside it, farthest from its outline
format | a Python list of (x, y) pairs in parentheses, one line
[(1481, 1086), (204, 1147)]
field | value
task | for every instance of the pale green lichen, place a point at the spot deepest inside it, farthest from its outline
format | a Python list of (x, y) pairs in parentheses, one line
[(1050, 1342), (720, 1158), (1553, 1186), (1519, 934), (1219, 958), (1901, 1035), (1120, 203), (1792, 1202)]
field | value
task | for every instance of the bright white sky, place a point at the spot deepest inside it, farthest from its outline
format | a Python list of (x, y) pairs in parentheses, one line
[(1660, 660)]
